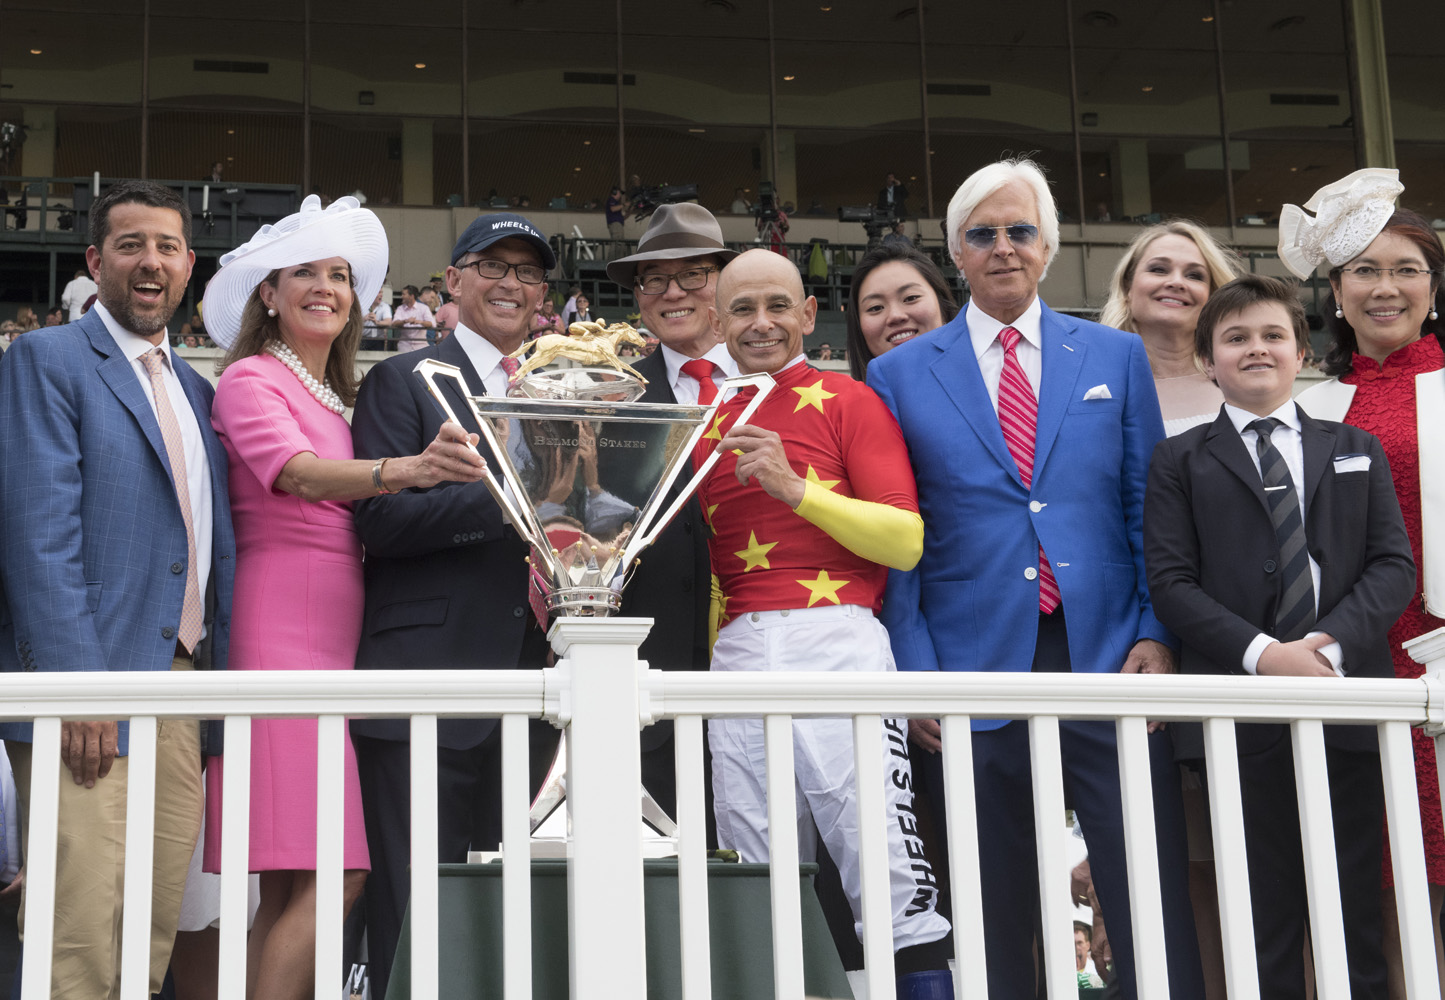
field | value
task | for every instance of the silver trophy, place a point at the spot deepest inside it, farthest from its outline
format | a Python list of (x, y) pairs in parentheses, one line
[(587, 473)]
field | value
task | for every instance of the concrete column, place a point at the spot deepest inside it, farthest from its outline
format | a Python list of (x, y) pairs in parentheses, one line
[(1129, 173), (416, 161), (786, 183), (37, 156), (1369, 84)]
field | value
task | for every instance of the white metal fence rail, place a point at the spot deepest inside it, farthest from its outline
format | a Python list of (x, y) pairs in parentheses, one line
[(601, 693)]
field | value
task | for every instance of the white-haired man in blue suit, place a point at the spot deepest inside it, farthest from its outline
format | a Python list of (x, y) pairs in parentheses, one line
[(1031, 434), (116, 554)]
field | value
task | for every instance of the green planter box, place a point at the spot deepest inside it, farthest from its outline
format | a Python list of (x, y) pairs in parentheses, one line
[(740, 922)]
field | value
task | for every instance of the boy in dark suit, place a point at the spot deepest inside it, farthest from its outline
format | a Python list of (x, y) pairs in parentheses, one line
[(1274, 546)]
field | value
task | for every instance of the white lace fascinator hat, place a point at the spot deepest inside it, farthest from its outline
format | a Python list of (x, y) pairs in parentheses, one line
[(342, 229), (1348, 215)]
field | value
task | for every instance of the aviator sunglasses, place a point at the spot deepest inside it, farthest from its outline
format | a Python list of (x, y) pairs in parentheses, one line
[(982, 237)]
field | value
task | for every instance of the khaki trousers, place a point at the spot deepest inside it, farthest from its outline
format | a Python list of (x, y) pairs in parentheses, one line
[(90, 862)]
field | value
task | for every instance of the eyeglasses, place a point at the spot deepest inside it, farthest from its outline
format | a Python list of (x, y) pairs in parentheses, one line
[(689, 281), (983, 238), (1366, 273), (527, 274)]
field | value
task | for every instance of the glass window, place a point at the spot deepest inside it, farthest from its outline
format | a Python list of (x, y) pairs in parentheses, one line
[(72, 52), (351, 153)]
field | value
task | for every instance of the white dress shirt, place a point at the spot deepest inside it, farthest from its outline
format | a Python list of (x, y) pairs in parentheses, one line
[(685, 387), (983, 330), (485, 358), (1287, 441), (198, 468)]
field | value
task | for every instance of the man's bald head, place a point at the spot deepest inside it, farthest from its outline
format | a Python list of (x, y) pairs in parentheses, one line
[(761, 312)]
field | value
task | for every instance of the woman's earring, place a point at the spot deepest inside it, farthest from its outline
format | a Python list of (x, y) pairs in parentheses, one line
[(271, 313), (1434, 313), (1339, 313)]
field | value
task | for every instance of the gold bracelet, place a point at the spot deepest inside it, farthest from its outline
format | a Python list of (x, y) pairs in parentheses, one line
[(376, 479)]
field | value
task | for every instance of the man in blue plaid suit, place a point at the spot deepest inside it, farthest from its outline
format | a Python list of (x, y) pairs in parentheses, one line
[(116, 554)]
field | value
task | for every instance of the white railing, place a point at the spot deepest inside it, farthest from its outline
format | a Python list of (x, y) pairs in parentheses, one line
[(599, 692)]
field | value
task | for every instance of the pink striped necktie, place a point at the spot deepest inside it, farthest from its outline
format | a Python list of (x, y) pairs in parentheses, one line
[(191, 611), (1018, 415)]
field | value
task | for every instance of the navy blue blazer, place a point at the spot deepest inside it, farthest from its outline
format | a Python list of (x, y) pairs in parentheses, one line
[(92, 543), (972, 601)]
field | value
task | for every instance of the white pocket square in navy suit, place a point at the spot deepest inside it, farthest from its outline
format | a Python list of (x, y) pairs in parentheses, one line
[(1099, 392), (1352, 463)]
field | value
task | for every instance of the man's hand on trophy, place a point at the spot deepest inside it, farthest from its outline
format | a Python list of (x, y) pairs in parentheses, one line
[(447, 459), (761, 457)]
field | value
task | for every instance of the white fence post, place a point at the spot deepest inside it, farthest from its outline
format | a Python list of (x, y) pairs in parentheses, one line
[(604, 784), (1415, 937)]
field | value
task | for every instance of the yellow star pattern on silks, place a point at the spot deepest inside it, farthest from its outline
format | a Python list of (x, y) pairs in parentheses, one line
[(709, 513), (715, 432), (823, 587), (722, 607), (755, 555), (827, 484), (812, 395)]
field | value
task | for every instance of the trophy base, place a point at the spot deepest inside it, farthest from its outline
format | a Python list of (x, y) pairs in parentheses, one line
[(584, 602)]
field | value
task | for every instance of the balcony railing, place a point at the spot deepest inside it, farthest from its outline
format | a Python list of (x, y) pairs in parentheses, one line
[(599, 693)]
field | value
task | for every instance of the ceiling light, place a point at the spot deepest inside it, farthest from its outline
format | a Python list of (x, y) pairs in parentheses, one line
[(421, 65), (230, 131), (790, 76), (913, 178), (1103, 173), (35, 52), (1293, 169), (1147, 88), (825, 9), (577, 168), (568, 194), (586, 142), (1206, 20)]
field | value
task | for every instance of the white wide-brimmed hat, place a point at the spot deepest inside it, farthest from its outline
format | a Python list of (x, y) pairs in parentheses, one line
[(1349, 214), (342, 229)]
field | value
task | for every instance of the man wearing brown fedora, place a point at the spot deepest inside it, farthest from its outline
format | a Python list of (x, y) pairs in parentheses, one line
[(673, 277)]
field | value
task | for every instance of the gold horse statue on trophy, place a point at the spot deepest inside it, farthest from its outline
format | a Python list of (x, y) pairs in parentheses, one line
[(590, 343)]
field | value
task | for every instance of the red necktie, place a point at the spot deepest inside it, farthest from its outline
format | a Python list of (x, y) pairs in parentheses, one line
[(701, 370), (510, 365), (1018, 415)]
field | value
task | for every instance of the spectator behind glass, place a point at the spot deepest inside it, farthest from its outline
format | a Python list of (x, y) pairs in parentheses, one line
[(55, 317), (581, 313), (414, 319), (26, 320), (286, 308), (546, 320), (897, 293), (1157, 290)]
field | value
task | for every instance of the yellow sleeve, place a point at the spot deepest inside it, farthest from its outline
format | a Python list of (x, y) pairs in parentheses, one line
[(878, 532), (714, 614)]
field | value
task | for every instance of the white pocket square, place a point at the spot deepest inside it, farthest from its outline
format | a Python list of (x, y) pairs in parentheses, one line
[(1352, 463), (1099, 392)]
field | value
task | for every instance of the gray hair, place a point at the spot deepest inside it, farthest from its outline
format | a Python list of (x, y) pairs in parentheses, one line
[(986, 181)]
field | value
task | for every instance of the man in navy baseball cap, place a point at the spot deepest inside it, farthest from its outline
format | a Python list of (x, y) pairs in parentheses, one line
[(488, 229), (441, 570)]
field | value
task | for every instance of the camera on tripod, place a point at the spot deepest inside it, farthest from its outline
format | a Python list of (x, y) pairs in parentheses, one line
[(646, 199), (876, 221)]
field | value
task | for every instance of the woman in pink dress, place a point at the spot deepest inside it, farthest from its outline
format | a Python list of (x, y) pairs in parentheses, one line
[(285, 305)]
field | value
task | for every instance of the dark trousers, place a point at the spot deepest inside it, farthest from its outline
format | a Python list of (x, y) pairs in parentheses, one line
[(1008, 865), (469, 817), (1276, 866)]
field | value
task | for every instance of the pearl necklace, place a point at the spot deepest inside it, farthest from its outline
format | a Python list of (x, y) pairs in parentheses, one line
[(325, 395)]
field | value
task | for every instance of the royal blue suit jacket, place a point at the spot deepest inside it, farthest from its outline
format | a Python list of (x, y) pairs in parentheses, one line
[(972, 601), (92, 544)]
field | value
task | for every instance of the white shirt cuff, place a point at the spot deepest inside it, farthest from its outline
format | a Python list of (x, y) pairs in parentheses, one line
[(1254, 651), (1334, 653)]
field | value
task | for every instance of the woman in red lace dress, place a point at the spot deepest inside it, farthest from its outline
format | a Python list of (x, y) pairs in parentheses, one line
[(1389, 368)]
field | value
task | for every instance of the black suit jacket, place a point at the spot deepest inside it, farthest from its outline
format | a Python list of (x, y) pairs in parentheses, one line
[(1212, 557), (672, 582), (446, 580)]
